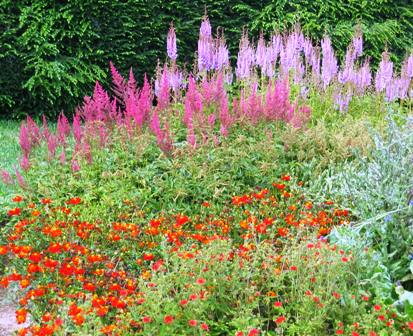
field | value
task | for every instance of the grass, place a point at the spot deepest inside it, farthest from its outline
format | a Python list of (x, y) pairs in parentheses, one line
[(9, 149)]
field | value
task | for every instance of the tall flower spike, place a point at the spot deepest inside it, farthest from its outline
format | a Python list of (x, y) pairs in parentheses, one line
[(171, 44)]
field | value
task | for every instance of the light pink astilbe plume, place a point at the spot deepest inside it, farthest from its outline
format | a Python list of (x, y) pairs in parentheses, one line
[(24, 140), (6, 177), (384, 73), (25, 163)]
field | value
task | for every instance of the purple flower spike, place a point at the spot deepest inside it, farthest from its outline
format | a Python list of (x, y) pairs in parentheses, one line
[(171, 44)]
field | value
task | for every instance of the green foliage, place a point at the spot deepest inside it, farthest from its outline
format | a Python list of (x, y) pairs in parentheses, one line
[(378, 188)]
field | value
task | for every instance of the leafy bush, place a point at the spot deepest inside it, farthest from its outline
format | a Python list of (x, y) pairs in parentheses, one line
[(377, 187)]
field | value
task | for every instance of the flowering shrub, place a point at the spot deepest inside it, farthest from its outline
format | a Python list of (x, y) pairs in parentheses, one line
[(77, 276)]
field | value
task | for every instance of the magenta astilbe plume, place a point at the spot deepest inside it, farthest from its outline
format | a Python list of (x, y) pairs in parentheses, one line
[(20, 180), (190, 138), (171, 44), (6, 177), (193, 102), (119, 83), (145, 99), (24, 140), (51, 146), (384, 74), (131, 88), (329, 62), (34, 131), (103, 136), (155, 125), (224, 116), (131, 108), (77, 128), (206, 90), (45, 131), (25, 163)]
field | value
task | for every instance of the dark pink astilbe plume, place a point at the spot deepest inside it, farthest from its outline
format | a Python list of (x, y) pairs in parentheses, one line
[(6, 177), (24, 140), (163, 138)]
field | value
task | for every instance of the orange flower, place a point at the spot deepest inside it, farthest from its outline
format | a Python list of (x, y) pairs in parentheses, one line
[(21, 315), (14, 212)]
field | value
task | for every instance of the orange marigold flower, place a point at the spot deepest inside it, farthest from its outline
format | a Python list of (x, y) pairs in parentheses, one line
[(74, 201), (14, 212)]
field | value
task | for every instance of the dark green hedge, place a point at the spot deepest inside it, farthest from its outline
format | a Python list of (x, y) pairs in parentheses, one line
[(51, 52)]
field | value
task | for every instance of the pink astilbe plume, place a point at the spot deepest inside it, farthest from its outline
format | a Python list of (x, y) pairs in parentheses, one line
[(119, 82), (24, 140), (163, 138), (6, 177), (301, 116), (87, 152)]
